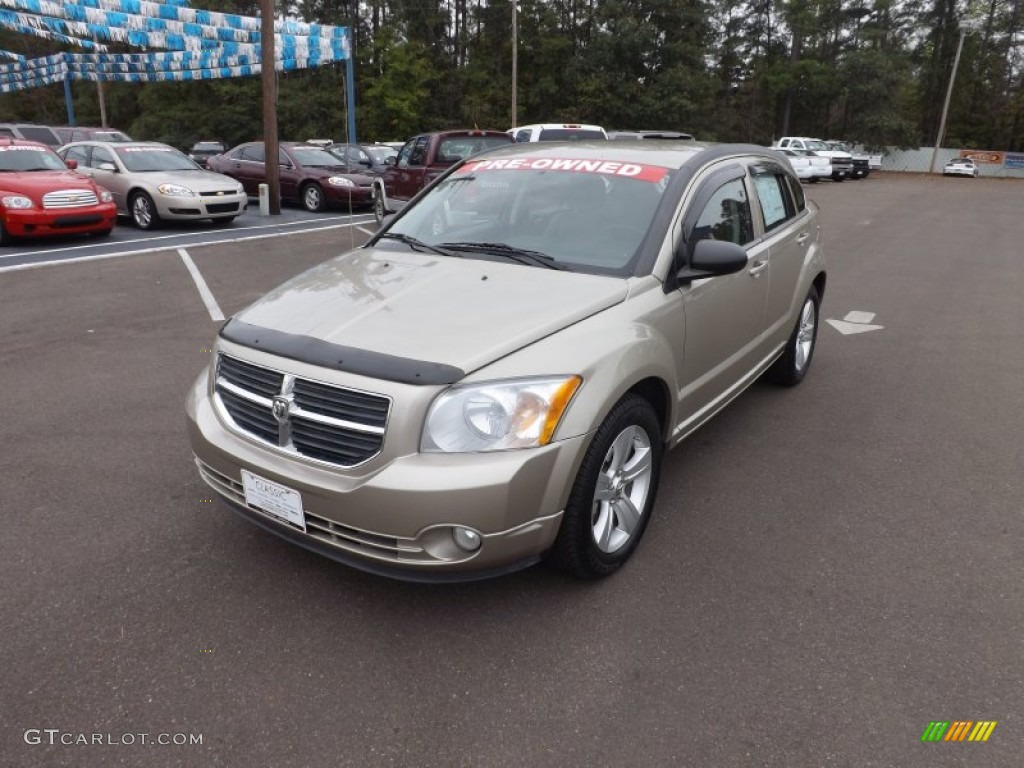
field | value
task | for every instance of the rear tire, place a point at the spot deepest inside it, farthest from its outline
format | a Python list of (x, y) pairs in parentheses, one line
[(790, 369), (613, 494)]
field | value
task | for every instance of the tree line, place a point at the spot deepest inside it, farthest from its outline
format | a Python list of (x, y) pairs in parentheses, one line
[(870, 71)]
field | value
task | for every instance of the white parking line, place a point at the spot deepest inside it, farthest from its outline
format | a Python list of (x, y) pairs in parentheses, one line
[(204, 290), (366, 231), (141, 251), (151, 239)]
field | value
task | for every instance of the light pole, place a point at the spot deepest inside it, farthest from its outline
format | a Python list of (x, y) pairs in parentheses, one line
[(965, 27)]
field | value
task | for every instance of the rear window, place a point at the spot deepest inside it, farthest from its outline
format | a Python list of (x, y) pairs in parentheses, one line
[(456, 148), (40, 134), (570, 134)]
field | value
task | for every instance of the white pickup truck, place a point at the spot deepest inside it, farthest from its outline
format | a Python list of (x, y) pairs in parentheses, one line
[(842, 162)]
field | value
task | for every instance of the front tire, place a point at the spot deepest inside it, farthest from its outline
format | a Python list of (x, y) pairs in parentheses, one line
[(379, 208), (143, 211), (613, 494), (313, 198), (790, 369), (5, 239)]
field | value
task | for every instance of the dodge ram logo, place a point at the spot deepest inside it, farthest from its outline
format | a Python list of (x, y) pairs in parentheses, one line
[(280, 409)]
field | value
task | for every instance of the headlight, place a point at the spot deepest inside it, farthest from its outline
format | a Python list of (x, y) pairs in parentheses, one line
[(17, 201), (240, 190), (498, 415), (175, 191), (340, 181), (105, 197)]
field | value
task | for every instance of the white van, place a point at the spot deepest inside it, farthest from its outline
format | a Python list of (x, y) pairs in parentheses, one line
[(557, 132)]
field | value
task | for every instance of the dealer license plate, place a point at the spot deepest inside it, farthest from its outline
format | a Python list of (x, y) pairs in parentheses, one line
[(274, 499)]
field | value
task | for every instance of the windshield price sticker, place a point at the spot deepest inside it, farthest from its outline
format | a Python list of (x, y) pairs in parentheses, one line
[(123, 150), (652, 173), (274, 499)]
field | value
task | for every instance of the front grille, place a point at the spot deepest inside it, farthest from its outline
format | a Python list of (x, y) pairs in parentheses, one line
[(344, 537), (320, 421), (218, 193), (76, 221), (221, 207), (69, 198)]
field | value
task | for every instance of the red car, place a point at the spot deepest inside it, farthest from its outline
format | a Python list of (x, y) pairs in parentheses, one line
[(310, 175), (41, 195)]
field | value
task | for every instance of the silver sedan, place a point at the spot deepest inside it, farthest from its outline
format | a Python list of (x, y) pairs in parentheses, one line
[(152, 182)]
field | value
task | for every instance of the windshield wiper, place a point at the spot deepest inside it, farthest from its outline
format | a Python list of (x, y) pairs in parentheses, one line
[(522, 255), (416, 245)]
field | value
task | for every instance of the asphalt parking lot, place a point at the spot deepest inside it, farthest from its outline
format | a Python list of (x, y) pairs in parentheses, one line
[(829, 569)]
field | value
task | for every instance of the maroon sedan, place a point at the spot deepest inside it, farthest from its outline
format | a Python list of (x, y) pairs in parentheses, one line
[(310, 175)]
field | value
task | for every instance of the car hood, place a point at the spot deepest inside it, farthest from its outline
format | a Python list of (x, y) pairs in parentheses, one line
[(462, 312), (197, 181), (35, 184)]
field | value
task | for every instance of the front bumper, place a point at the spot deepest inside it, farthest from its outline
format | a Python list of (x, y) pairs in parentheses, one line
[(64, 221), (396, 517), (181, 207), (344, 196)]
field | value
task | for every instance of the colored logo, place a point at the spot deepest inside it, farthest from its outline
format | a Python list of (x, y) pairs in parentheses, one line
[(958, 730)]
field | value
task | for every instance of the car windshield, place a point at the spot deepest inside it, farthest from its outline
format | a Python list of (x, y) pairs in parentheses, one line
[(146, 159), (817, 145), (17, 158), (584, 215), (316, 158)]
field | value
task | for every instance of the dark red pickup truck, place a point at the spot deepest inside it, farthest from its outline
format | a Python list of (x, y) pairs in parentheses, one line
[(423, 159)]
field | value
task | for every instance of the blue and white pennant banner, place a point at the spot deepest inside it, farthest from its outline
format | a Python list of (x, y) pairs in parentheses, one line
[(202, 45)]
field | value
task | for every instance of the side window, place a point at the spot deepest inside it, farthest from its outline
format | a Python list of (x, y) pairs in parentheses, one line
[(726, 216), (419, 152), (101, 155), (405, 152), (523, 136), (798, 193), (7, 132), (253, 153), (773, 197), (79, 154), (282, 158)]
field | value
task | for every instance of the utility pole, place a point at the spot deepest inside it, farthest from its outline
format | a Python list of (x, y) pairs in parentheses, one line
[(268, 76), (965, 27), (515, 58)]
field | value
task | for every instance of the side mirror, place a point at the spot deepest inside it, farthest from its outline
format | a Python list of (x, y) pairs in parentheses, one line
[(71, 164), (106, 167), (712, 258), (393, 160)]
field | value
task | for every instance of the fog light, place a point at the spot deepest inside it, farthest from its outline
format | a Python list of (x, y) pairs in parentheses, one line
[(466, 539)]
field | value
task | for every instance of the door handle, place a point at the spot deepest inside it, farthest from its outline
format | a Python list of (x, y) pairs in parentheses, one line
[(802, 237), (758, 268)]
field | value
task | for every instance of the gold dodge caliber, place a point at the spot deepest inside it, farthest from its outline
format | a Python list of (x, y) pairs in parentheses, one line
[(495, 376)]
